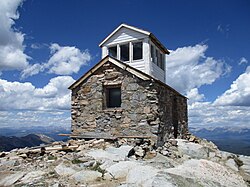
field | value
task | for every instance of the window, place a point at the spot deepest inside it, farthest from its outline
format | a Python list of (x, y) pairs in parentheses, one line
[(137, 51), (157, 56), (162, 61), (113, 51), (124, 52), (152, 54), (113, 97)]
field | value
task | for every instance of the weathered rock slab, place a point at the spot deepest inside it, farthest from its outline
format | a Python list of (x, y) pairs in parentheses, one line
[(141, 176), (111, 153), (231, 164), (121, 169), (192, 149), (206, 173), (86, 176), (64, 170), (31, 176), (10, 179)]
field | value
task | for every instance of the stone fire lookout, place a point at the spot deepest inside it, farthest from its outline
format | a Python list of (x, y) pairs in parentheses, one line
[(125, 95)]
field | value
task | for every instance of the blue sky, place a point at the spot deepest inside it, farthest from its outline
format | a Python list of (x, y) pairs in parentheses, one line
[(209, 60)]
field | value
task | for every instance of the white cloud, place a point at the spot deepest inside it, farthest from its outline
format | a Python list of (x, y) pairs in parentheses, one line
[(219, 28), (53, 96), (243, 60), (38, 45), (12, 54), (224, 29), (189, 68), (31, 70), (206, 114), (26, 118), (193, 95), (239, 92), (64, 60)]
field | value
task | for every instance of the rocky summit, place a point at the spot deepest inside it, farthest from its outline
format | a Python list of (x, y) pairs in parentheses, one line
[(125, 163)]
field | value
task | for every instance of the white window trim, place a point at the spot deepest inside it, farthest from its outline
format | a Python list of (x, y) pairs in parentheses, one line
[(154, 59), (128, 61), (130, 50), (118, 52), (116, 49)]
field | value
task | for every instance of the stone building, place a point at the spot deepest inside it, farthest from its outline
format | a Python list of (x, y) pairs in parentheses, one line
[(124, 95)]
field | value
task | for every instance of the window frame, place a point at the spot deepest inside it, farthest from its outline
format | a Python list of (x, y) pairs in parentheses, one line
[(152, 53), (120, 45), (130, 50), (113, 46), (106, 96), (157, 57), (162, 64), (134, 42)]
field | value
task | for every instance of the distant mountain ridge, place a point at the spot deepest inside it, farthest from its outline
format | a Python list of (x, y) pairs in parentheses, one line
[(235, 140), (12, 142), (231, 139), (50, 131)]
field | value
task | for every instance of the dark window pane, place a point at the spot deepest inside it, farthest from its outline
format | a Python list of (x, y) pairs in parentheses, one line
[(124, 52), (113, 97), (137, 51), (161, 61), (157, 57), (152, 53), (113, 51)]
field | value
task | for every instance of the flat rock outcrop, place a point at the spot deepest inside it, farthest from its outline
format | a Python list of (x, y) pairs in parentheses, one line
[(125, 163)]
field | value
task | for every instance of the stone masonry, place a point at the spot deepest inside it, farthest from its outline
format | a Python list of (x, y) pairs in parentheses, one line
[(148, 108)]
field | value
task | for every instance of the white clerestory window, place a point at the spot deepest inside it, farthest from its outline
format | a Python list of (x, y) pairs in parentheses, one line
[(122, 51), (157, 57)]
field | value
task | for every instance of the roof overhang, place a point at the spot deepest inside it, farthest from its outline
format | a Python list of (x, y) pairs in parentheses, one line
[(149, 34), (115, 62), (126, 26), (123, 66)]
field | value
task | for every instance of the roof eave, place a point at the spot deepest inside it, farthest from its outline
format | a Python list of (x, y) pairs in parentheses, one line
[(88, 73), (151, 35), (124, 66), (119, 27), (159, 44)]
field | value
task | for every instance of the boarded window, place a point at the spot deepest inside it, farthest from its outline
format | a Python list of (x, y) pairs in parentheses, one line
[(137, 51), (113, 51), (124, 52), (113, 97)]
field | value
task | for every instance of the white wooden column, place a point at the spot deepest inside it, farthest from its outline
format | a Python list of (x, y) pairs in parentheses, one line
[(130, 52), (104, 51), (146, 55)]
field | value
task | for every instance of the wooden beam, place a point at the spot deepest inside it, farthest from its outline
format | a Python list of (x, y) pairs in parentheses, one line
[(64, 134), (82, 136), (94, 137), (55, 148), (135, 136)]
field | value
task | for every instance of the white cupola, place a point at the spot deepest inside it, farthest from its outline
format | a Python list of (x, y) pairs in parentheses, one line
[(137, 47)]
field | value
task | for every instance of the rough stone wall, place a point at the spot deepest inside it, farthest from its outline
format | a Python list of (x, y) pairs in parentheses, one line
[(173, 121), (145, 109), (182, 117)]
